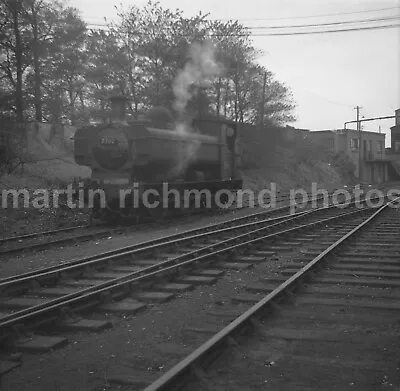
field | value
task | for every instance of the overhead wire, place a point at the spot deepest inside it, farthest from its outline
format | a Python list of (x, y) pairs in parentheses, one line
[(315, 16), (327, 24), (292, 17), (288, 33), (324, 31), (97, 26)]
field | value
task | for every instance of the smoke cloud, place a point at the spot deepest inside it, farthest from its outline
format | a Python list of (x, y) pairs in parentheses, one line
[(199, 71)]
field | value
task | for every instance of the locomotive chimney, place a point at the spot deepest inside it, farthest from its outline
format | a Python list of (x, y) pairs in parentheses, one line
[(118, 104)]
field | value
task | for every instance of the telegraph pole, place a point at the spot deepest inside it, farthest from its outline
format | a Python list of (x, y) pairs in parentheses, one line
[(359, 144)]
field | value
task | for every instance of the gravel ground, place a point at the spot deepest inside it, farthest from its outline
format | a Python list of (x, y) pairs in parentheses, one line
[(152, 341)]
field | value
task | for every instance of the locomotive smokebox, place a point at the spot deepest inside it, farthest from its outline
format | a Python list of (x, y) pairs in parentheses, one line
[(118, 105)]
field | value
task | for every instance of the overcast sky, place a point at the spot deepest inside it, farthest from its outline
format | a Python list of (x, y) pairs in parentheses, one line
[(329, 74)]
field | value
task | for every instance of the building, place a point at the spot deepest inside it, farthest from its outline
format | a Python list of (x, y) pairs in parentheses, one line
[(395, 131), (393, 153), (292, 134), (371, 152)]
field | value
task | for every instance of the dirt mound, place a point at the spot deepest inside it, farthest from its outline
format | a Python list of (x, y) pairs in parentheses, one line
[(289, 163)]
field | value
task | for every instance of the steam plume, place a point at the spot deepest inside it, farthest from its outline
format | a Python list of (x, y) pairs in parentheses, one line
[(199, 71)]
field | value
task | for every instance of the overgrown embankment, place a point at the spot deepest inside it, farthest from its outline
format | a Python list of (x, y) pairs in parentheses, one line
[(289, 159), (44, 162)]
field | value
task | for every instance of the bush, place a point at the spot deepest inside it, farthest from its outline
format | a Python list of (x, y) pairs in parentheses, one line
[(12, 155)]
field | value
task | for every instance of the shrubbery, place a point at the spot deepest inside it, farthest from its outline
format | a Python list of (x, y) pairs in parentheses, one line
[(12, 154)]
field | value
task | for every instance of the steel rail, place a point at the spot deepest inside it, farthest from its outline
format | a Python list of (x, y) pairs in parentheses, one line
[(154, 244), (44, 244), (139, 248), (41, 245), (42, 233), (183, 368), (71, 266), (148, 272), (38, 246), (68, 229)]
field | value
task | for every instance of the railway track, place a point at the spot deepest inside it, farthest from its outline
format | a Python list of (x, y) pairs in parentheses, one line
[(127, 281), (38, 241), (328, 321), (252, 219)]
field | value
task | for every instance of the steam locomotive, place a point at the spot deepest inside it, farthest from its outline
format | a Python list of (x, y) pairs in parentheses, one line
[(153, 162)]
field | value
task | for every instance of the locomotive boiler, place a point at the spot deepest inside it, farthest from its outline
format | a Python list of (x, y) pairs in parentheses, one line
[(148, 156)]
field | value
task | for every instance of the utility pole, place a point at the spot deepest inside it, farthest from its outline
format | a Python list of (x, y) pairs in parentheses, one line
[(262, 108), (359, 144)]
